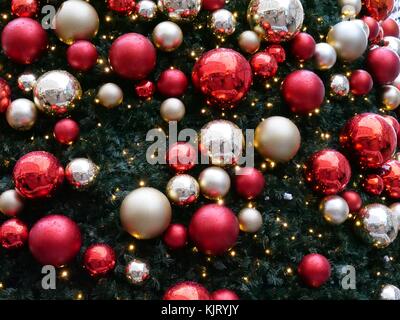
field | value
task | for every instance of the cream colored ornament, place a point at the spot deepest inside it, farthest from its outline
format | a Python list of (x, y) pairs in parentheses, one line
[(167, 36), (363, 26), (396, 82), (392, 43), (390, 97), (21, 114), (11, 204), (250, 220), (214, 183), (325, 56), (356, 4), (183, 190), (110, 95), (222, 22), (172, 109), (146, 10), (334, 209), (249, 41)]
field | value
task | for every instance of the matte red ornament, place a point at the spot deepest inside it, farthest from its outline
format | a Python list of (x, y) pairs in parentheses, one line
[(122, 6), (383, 64), (303, 46), (303, 91), (187, 290), (390, 28), (37, 175), (13, 234), (353, 200), (314, 269), (99, 259), (263, 65), (369, 139), (23, 40), (390, 173), (5, 95), (224, 294), (223, 75), (373, 27), (249, 182), (361, 82), (379, 9), (277, 51), (214, 229), (181, 156), (24, 8), (328, 172), (66, 131), (172, 83), (82, 55), (373, 184), (212, 5), (133, 56), (145, 89), (176, 236)]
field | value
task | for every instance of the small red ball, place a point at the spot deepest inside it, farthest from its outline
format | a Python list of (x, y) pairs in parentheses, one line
[(172, 83), (181, 156), (390, 173), (373, 184), (373, 27), (249, 182), (122, 6), (99, 259), (5, 95), (390, 28), (132, 56), (303, 46), (353, 200), (187, 290), (13, 234), (263, 65), (303, 91), (176, 236), (23, 40), (66, 131), (145, 89), (379, 9), (212, 5), (82, 55), (361, 82), (24, 8), (224, 294), (55, 240), (314, 269), (277, 51), (384, 65)]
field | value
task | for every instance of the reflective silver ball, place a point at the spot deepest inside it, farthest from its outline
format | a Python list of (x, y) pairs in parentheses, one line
[(249, 41), (340, 85), (390, 97), (325, 56), (26, 82), (172, 109), (137, 271), (180, 10), (146, 10), (214, 183), (334, 209), (390, 292), (11, 204), (21, 114), (167, 36), (250, 220), (183, 190), (81, 173), (222, 22)]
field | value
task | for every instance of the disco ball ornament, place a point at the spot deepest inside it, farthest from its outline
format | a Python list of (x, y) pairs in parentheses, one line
[(340, 85), (222, 23), (334, 209), (56, 92), (180, 10), (81, 173), (275, 20), (137, 272), (26, 82), (389, 292), (187, 290), (183, 190), (390, 173), (146, 10)]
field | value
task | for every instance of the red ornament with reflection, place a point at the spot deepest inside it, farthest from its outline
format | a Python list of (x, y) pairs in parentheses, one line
[(277, 51), (5, 95), (328, 172), (24, 8), (314, 269), (172, 83), (145, 89), (249, 182), (379, 9), (303, 46), (122, 6), (175, 237), (361, 82), (390, 173), (383, 64), (396, 126), (99, 259), (369, 139), (187, 290), (224, 294), (373, 27), (66, 131), (390, 28), (181, 156), (263, 65), (13, 234), (82, 55), (373, 184), (353, 200)]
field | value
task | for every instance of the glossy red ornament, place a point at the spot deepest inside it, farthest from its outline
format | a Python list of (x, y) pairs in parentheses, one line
[(303, 91), (23, 40), (379, 9), (390, 28), (249, 182), (24, 8), (37, 175), (373, 184), (187, 290), (224, 294), (263, 65), (82, 55), (55, 240), (122, 6), (181, 156), (5, 95), (303, 46), (390, 173), (314, 269), (13, 234), (373, 27), (214, 229), (353, 200), (396, 126), (383, 64), (223, 75), (172, 83), (369, 139), (328, 172), (212, 5), (99, 259), (132, 56), (66, 131), (175, 237), (277, 51), (145, 89), (361, 82)]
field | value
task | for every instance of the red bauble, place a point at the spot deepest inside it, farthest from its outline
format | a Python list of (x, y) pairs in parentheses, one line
[(353, 200), (55, 240), (13, 234), (277, 51), (390, 174), (214, 229), (66, 131), (181, 156), (122, 6), (5, 95), (176, 236), (390, 28), (314, 269), (384, 65), (224, 294), (212, 5), (379, 38), (369, 139), (249, 182), (373, 184), (328, 171), (23, 40), (132, 56), (99, 259), (263, 65), (24, 8), (82, 55), (379, 9), (303, 91), (303, 46), (187, 290), (396, 126), (145, 89), (172, 83), (361, 82), (373, 27), (37, 175), (223, 75)]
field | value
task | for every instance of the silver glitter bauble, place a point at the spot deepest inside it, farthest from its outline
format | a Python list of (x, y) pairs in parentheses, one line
[(214, 183), (325, 56), (11, 204), (110, 95), (183, 190), (26, 82), (167, 36), (180, 10), (390, 97), (146, 10), (390, 292), (172, 109), (81, 173), (340, 85), (395, 207), (222, 22), (21, 114), (334, 209), (249, 41), (392, 43), (137, 271), (250, 220)]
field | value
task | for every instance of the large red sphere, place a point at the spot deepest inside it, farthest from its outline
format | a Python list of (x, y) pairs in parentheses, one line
[(5, 95), (24, 8), (390, 28), (369, 139), (384, 65), (314, 269), (132, 56), (13, 234), (390, 173), (303, 46), (181, 156), (361, 82), (223, 75), (23, 40), (353, 200), (99, 259), (379, 9), (176, 236), (303, 91), (249, 182), (328, 172), (187, 290), (373, 27), (66, 131), (82, 55), (212, 5), (55, 240), (172, 83), (37, 175), (373, 184), (224, 294), (214, 229), (263, 65)]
